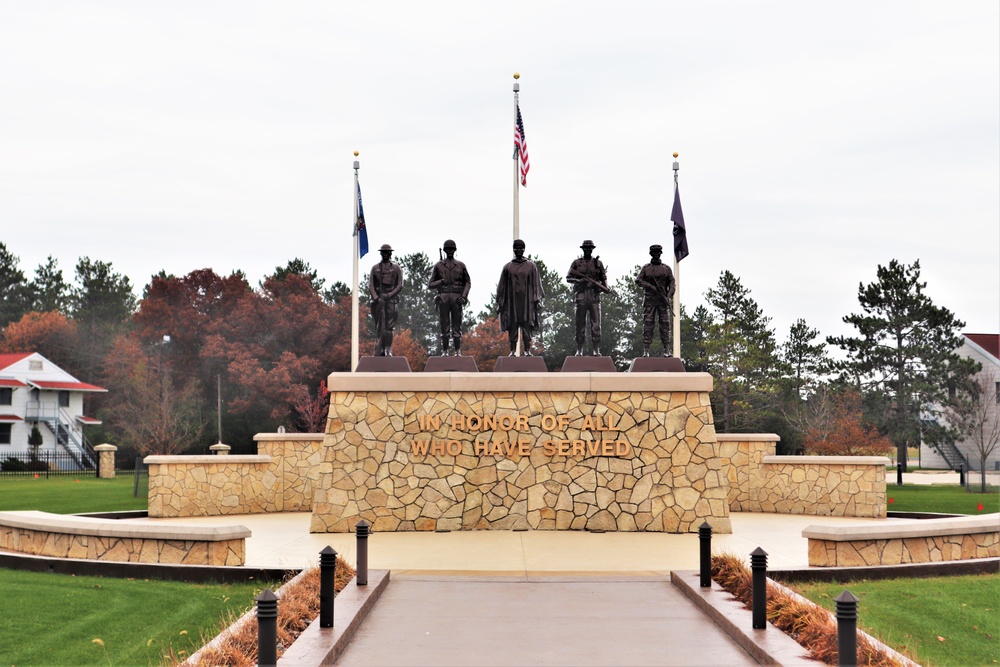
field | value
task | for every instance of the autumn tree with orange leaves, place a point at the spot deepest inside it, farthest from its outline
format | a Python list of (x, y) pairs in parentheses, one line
[(485, 343), (50, 334), (837, 427)]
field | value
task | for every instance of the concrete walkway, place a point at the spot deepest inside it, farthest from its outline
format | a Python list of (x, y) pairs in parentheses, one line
[(473, 621), (533, 597)]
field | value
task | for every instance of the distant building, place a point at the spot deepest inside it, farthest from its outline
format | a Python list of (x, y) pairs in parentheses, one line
[(33, 390), (985, 349)]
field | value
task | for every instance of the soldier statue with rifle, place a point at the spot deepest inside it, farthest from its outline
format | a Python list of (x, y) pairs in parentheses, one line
[(657, 281), (451, 280), (589, 279), (384, 285)]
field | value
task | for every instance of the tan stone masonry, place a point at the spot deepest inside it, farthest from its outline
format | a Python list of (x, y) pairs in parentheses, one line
[(916, 541), (822, 485), (670, 480), (59, 536), (611, 452), (278, 479)]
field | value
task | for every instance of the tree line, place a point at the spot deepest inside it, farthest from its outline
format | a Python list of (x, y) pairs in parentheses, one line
[(267, 349)]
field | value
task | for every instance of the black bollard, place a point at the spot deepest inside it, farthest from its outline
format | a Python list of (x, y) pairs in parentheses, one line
[(327, 576), (267, 629), (758, 569), (705, 540), (847, 628), (361, 529), (899, 474), (961, 474)]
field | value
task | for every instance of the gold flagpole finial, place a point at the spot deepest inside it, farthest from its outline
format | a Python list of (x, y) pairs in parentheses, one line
[(356, 154), (517, 75), (675, 153)]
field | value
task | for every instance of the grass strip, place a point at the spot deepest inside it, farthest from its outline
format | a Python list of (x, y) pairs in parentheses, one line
[(945, 621), (57, 619), (72, 495), (944, 499)]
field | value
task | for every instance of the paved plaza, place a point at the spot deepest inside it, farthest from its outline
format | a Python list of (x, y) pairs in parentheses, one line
[(536, 597), (284, 541)]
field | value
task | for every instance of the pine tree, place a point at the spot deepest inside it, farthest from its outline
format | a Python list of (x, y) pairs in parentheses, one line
[(694, 334), (416, 308), (102, 304), (51, 292), (298, 266), (621, 320), (557, 320), (904, 354), (15, 293), (806, 361), (741, 352)]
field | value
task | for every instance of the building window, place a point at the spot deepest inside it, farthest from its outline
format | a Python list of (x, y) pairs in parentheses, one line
[(63, 399), (5, 434), (6, 396)]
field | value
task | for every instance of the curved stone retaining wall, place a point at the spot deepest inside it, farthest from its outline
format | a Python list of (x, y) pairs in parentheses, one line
[(59, 536), (916, 541)]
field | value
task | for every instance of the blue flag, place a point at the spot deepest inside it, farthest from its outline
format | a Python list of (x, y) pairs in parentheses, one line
[(680, 231), (359, 227)]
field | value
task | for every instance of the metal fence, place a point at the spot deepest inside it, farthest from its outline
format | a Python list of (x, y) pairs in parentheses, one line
[(42, 464)]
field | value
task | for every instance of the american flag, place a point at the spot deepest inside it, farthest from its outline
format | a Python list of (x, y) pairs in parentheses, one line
[(521, 147)]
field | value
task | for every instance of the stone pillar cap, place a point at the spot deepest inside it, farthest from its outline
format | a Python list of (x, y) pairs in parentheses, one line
[(105, 448), (220, 447)]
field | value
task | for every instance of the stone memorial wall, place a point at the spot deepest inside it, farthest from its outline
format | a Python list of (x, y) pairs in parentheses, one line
[(568, 451)]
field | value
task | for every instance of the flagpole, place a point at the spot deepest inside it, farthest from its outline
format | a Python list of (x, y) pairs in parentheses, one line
[(517, 193), (677, 286), (354, 290)]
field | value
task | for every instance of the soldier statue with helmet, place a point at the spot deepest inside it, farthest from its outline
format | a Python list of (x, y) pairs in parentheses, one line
[(657, 281), (451, 280)]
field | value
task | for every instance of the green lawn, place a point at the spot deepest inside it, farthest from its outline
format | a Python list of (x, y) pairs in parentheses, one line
[(946, 621), (56, 619), (72, 495), (939, 498)]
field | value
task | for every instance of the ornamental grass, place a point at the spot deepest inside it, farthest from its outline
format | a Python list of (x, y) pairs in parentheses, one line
[(298, 606), (811, 626)]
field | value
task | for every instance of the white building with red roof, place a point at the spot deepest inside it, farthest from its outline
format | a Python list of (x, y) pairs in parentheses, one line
[(33, 390)]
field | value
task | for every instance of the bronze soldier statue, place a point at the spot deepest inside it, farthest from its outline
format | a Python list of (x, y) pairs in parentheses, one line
[(451, 280), (657, 281), (519, 298), (589, 280), (384, 286)]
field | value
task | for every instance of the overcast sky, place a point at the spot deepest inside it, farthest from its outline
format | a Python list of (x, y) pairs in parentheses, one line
[(816, 140)]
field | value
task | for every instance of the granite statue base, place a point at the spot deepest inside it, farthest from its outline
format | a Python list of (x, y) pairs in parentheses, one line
[(656, 365), (520, 365), (383, 365), (451, 365), (583, 364)]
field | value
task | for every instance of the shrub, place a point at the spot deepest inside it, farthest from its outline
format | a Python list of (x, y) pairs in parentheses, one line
[(13, 464)]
